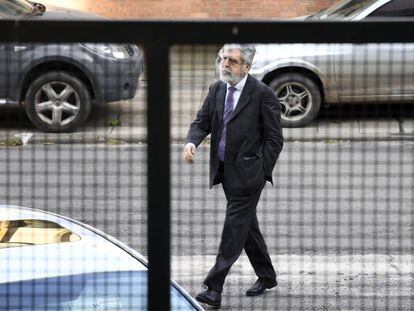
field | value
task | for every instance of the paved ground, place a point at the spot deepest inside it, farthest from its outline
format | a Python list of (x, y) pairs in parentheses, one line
[(338, 222), (324, 282)]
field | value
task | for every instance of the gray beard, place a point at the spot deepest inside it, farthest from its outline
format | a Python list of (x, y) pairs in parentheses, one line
[(230, 78)]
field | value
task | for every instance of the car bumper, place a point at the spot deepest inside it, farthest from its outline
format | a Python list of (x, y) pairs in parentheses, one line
[(119, 82)]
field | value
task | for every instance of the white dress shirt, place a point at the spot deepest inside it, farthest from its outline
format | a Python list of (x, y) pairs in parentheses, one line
[(239, 88), (236, 96)]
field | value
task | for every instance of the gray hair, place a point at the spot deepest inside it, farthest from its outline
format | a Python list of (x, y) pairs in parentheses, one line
[(247, 51)]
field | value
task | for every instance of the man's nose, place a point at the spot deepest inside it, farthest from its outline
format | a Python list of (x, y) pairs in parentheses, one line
[(226, 64)]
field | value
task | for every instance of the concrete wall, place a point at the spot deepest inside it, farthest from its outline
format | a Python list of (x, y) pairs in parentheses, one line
[(196, 9)]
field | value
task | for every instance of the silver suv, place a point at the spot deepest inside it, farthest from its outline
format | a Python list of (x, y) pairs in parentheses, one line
[(58, 82), (304, 76)]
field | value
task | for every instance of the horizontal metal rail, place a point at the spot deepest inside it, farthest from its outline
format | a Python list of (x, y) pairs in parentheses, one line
[(204, 32)]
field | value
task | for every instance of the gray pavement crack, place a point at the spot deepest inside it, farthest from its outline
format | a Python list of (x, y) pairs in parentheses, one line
[(391, 261)]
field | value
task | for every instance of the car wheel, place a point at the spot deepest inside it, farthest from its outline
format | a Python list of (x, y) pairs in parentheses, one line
[(57, 102), (300, 98)]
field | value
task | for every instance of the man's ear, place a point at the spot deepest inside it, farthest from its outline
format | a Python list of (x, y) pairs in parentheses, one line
[(247, 68)]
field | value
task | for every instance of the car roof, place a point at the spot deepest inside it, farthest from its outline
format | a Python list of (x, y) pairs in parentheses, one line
[(94, 252)]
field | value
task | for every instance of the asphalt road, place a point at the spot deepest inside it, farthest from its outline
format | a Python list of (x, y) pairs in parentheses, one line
[(338, 222)]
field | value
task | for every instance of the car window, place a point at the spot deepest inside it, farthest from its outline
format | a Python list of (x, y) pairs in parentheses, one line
[(20, 232), (347, 8), (396, 8), (119, 290), (13, 8)]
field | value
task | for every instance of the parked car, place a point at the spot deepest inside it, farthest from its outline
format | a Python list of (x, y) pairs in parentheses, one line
[(51, 262), (58, 82), (304, 76)]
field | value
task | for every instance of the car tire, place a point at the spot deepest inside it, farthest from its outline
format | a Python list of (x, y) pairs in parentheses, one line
[(299, 96), (57, 102)]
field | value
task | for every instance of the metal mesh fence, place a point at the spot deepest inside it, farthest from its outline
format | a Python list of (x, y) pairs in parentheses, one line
[(337, 222), (95, 172), (90, 170)]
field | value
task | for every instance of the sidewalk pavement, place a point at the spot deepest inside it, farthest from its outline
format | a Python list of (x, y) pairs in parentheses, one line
[(311, 282), (130, 130)]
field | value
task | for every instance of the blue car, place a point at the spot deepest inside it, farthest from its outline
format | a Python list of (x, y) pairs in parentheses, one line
[(51, 262)]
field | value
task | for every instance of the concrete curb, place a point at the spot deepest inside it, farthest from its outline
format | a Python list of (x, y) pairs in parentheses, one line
[(130, 138)]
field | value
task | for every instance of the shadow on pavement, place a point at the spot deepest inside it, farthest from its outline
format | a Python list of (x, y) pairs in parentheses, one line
[(13, 118), (367, 111)]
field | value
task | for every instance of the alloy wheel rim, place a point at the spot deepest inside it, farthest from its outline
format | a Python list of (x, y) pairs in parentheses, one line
[(57, 103), (296, 100)]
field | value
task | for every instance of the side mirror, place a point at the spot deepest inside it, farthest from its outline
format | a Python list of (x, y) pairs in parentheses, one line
[(41, 8)]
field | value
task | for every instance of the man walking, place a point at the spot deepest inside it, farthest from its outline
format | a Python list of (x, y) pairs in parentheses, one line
[(243, 117)]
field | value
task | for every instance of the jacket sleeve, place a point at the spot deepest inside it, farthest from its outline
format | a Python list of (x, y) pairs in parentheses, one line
[(201, 126), (272, 132)]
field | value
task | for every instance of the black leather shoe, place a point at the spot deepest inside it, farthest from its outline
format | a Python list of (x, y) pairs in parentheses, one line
[(260, 287), (210, 297)]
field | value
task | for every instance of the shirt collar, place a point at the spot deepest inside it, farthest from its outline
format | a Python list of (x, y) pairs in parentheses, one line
[(239, 86)]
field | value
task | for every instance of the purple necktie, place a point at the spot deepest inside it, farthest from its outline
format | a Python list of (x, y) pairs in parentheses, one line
[(228, 109)]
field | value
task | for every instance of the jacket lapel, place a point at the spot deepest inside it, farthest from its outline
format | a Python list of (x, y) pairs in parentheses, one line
[(220, 99), (244, 98)]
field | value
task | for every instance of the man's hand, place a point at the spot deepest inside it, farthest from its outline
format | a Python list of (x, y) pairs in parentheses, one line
[(188, 153)]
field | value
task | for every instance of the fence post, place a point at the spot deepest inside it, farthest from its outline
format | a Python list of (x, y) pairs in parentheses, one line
[(158, 117)]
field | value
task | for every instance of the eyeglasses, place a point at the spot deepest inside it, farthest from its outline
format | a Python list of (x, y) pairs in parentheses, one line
[(232, 61)]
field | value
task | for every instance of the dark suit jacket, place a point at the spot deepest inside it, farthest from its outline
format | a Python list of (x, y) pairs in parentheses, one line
[(254, 135)]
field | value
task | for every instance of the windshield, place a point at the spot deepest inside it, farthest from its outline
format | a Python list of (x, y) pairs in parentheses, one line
[(345, 9), (22, 232), (13, 8)]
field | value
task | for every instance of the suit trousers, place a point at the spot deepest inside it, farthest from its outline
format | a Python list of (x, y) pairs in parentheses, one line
[(241, 231)]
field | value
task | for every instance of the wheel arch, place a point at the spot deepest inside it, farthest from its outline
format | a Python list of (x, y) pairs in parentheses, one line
[(55, 65)]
